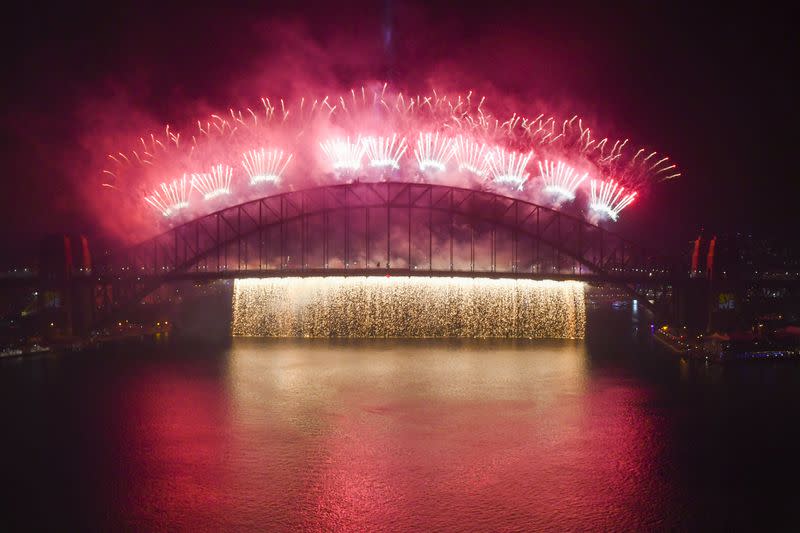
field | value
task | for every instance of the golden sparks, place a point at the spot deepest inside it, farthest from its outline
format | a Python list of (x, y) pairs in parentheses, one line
[(408, 307)]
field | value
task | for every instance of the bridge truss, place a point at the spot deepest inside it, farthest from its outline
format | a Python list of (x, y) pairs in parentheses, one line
[(380, 228)]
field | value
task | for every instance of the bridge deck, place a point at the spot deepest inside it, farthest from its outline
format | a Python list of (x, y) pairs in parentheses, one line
[(589, 277)]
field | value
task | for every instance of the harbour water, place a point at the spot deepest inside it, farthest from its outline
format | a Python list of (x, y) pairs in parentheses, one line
[(607, 433)]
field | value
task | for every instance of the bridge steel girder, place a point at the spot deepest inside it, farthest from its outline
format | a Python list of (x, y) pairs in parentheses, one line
[(401, 228), (224, 241)]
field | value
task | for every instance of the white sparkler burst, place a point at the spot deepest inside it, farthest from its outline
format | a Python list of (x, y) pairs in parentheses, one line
[(385, 152), (433, 152), (508, 168), (171, 198), (471, 156), (560, 180), (460, 119), (265, 166), (215, 183), (343, 154), (608, 198)]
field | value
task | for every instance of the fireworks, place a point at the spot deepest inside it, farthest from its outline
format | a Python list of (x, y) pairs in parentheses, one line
[(171, 198), (385, 152), (408, 307), (215, 183), (508, 168), (265, 166), (433, 152), (497, 150), (608, 198), (343, 154), (560, 180), (471, 156)]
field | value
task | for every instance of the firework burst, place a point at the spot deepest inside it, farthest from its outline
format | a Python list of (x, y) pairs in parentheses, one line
[(433, 152), (215, 183), (444, 129), (560, 180), (385, 152), (171, 198), (471, 156), (343, 154), (508, 168), (608, 198), (265, 166)]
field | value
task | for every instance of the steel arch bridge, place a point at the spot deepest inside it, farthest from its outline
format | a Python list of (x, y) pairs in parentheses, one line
[(381, 228)]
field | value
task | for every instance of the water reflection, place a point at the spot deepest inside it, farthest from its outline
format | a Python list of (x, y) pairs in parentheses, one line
[(609, 433), (173, 427), (437, 435)]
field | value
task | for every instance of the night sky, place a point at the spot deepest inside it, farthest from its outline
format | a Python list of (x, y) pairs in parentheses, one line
[(716, 90)]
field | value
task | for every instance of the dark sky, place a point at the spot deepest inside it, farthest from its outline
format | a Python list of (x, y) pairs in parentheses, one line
[(715, 89)]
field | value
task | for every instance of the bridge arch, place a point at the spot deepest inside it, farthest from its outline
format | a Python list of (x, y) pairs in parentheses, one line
[(395, 228)]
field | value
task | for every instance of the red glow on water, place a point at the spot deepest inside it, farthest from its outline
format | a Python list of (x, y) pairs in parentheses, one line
[(417, 439)]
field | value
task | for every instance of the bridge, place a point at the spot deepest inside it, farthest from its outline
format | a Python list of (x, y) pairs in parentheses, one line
[(379, 228), (374, 229), (385, 227)]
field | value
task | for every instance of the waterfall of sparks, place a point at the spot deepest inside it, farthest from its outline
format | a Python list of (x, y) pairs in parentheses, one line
[(560, 180), (215, 183), (471, 156), (408, 307), (433, 152), (344, 155), (607, 198), (171, 198), (385, 152), (265, 166), (508, 168)]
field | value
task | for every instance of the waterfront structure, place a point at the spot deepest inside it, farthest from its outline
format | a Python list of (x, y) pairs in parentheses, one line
[(396, 229)]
